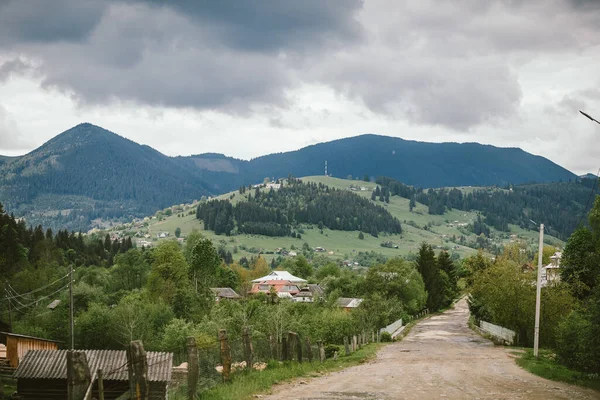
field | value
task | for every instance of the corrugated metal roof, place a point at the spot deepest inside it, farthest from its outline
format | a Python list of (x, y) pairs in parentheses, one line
[(52, 364)]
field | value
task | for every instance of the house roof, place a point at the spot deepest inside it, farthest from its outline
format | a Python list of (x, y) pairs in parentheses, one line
[(4, 335), (52, 364), (316, 289), (278, 285), (348, 302), (225, 292), (280, 276)]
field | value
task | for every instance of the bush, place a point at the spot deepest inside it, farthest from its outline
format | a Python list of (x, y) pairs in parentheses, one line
[(385, 337), (330, 350)]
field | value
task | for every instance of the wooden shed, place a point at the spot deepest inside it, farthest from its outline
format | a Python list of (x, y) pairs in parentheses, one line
[(18, 345), (42, 374)]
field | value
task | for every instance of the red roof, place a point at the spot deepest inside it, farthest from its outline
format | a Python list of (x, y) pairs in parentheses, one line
[(280, 286)]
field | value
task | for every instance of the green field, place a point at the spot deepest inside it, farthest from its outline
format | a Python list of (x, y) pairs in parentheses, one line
[(418, 227)]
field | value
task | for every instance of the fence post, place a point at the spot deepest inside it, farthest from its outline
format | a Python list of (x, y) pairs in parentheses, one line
[(225, 354), (273, 347), (248, 350), (321, 351), (284, 349), (138, 371), (100, 384), (372, 337), (291, 345), (193, 367), (309, 354), (299, 348), (346, 346), (78, 375), (353, 343)]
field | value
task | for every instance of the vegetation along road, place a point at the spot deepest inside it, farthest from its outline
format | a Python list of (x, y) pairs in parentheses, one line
[(440, 358)]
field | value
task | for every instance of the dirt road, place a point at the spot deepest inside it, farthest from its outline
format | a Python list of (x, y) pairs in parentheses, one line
[(441, 358)]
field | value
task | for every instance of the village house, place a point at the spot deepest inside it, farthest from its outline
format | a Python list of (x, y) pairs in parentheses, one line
[(42, 374), (280, 275), (309, 294), (225, 293), (284, 289), (551, 272)]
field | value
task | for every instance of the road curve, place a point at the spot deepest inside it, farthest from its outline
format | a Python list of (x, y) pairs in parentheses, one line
[(441, 358)]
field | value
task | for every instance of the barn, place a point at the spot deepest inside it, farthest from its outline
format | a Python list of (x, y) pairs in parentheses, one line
[(18, 345), (42, 374)]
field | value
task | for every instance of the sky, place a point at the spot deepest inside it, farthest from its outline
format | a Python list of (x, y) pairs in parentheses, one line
[(253, 77)]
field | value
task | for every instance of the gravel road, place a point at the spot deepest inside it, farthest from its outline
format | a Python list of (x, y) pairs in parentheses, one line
[(441, 358)]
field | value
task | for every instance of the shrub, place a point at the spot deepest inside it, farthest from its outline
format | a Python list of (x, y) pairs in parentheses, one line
[(385, 337), (330, 350)]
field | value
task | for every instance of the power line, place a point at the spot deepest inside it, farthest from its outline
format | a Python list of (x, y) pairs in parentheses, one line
[(41, 298), (17, 294)]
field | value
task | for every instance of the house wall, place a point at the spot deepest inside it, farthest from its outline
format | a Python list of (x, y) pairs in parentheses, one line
[(16, 347)]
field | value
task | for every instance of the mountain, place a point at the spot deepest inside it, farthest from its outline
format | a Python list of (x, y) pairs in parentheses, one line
[(88, 172), (588, 176), (411, 162)]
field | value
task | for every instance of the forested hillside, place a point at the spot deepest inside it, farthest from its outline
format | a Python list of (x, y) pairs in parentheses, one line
[(560, 206), (414, 163), (277, 212), (87, 173)]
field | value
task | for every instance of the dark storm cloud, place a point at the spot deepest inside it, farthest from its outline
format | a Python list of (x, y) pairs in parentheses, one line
[(48, 21), (266, 25)]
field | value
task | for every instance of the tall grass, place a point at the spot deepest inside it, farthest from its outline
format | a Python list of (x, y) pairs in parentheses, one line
[(547, 367), (247, 383)]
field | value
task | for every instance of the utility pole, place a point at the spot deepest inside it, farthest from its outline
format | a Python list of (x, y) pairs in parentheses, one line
[(536, 338), (9, 307), (71, 321)]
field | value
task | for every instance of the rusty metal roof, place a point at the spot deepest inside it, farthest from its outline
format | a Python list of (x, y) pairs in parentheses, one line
[(52, 364)]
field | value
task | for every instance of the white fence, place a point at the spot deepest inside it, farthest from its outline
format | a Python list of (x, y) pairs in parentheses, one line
[(499, 332), (394, 329)]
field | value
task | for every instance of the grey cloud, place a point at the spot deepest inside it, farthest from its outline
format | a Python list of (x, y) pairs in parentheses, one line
[(447, 63), (42, 21), (16, 66), (10, 137)]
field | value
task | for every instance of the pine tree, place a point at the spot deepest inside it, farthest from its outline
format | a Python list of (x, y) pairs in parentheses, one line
[(427, 266), (412, 203)]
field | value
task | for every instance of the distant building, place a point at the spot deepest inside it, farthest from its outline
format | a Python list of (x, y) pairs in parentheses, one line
[(280, 276), (309, 294), (348, 303), (551, 272), (283, 288), (225, 293)]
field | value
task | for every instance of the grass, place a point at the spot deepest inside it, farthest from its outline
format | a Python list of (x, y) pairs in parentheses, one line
[(345, 244), (248, 383), (547, 367)]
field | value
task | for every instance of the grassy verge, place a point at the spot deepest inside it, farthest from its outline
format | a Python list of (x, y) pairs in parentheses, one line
[(245, 384), (547, 367)]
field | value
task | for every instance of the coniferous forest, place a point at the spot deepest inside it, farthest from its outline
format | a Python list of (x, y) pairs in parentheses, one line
[(277, 212)]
